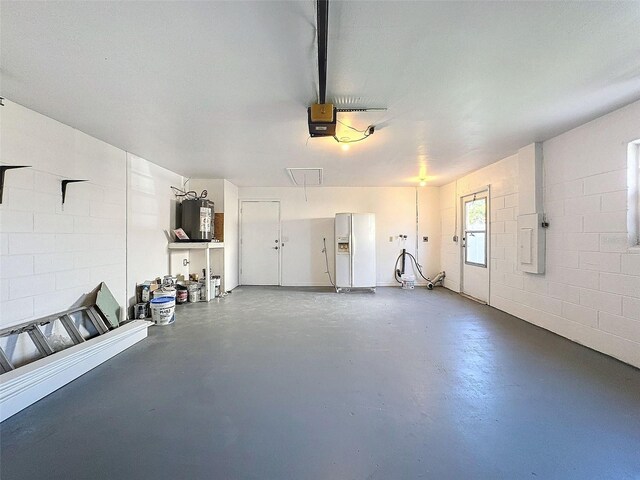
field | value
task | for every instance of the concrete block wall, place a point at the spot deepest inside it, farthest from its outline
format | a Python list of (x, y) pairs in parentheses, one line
[(112, 228), (52, 255), (590, 292), (501, 177)]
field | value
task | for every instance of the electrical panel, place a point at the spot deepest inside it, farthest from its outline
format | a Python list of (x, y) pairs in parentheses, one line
[(531, 243)]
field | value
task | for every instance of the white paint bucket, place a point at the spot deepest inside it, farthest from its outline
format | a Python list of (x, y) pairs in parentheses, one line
[(163, 310), (165, 292), (408, 281)]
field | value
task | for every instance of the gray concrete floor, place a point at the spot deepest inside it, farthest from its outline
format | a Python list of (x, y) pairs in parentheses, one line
[(277, 383)]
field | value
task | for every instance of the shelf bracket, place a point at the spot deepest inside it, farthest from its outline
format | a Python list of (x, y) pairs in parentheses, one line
[(3, 169), (64, 187)]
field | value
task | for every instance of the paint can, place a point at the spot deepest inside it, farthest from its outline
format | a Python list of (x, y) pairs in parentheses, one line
[(163, 310), (408, 281), (169, 281), (140, 311), (182, 294), (215, 285), (194, 292)]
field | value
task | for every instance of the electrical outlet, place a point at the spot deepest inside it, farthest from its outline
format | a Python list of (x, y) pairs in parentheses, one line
[(425, 239), (455, 238), (391, 239)]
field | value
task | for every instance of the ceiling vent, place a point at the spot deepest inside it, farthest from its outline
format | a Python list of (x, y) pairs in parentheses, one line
[(305, 177)]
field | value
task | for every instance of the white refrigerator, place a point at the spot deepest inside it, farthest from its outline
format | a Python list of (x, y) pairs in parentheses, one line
[(355, 247)]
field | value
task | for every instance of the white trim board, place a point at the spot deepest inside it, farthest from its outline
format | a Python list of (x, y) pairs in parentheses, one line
[(26, 385)]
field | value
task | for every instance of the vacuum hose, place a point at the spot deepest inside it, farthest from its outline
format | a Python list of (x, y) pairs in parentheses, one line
[(398, 273)]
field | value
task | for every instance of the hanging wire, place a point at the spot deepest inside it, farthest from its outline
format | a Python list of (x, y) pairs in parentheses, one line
[(354, 128), (305, 187), (188, 195), (326, 262)]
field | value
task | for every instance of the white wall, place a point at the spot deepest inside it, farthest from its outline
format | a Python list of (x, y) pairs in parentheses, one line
[(306, 223), (231, 229), (111, 229), (151, 219), (224, 194), (590, 292), (502, 178), (52, 256), (214, 188)]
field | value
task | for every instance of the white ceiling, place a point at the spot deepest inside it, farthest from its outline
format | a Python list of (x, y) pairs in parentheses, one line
[(219, 89)]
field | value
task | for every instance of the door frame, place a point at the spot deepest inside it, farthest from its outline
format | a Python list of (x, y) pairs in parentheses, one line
[(486, 189), (240, 233)]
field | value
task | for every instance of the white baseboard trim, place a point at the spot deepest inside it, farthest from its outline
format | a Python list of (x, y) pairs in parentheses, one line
[(26, 385)]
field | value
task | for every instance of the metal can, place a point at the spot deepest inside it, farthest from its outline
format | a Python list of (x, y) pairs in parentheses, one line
[(140, 311)]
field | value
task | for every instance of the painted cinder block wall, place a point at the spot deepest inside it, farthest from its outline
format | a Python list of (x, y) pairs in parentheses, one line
[(50, 256), (590, 292), (53, 255)]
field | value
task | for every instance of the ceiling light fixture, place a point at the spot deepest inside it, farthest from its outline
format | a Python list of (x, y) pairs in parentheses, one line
[(422, 175)]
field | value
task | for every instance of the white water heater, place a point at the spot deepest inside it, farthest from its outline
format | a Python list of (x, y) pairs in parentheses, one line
[(355, 247)]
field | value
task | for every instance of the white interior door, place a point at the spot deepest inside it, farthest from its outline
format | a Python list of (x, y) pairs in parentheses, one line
[(475, 246), (260, 242)]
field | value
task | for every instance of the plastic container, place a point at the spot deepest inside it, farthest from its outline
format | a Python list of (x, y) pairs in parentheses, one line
[(165, 292), (163, 310), (408, 281), (194, 292)]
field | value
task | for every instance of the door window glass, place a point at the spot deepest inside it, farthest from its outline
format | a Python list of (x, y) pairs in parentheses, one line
[(475, 219)]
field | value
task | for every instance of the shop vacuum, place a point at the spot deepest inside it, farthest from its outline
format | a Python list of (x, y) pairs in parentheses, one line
[(400, 272)]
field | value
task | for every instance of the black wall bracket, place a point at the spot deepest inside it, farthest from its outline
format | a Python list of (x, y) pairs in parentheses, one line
[(64, 187), (3, 169)]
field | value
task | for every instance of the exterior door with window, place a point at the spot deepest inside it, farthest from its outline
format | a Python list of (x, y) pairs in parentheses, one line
[(475, 246)]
